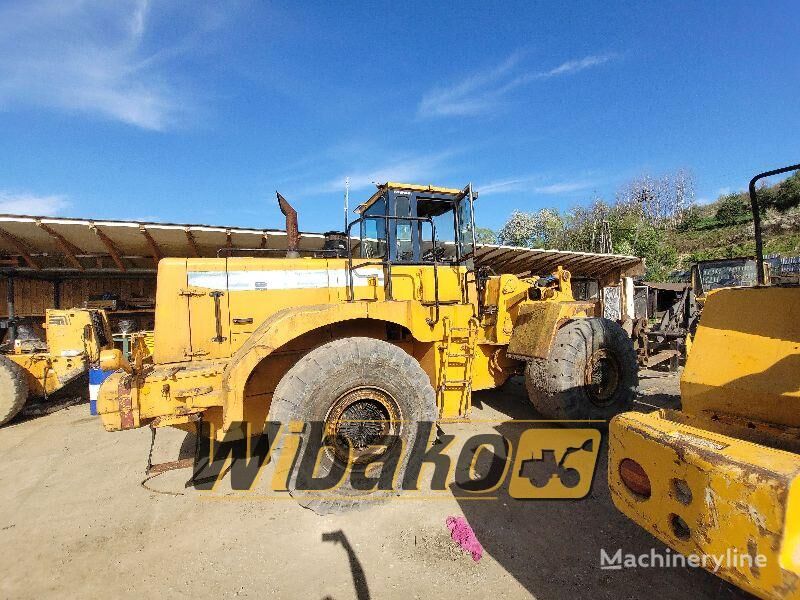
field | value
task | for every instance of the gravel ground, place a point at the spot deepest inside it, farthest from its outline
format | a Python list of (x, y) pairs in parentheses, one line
[(75, 521)]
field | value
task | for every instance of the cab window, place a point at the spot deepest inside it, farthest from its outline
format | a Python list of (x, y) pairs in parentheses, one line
[(404, 249), (373, 231), (442, 214), (466, 237)]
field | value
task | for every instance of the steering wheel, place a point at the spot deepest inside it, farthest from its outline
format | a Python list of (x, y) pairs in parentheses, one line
[(435, 254)]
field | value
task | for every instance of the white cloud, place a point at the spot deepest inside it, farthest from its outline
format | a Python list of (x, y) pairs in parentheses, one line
[(563, 188), (418, 169), (30, 204), (532, 185), (468, 96), (573, 66), (483, 91), (87, 56), (505, 186)]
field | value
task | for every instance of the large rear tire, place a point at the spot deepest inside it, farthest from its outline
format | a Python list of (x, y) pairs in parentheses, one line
[(363, 390), (591, 372), (13, 389)]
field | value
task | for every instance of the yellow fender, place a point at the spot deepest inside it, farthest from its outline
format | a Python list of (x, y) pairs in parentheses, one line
[(281, 328)]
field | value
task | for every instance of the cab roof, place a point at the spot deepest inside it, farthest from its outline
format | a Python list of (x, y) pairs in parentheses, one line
[(408, 187)]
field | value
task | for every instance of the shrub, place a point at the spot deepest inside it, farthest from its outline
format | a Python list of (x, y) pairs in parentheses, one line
[(732, 209)]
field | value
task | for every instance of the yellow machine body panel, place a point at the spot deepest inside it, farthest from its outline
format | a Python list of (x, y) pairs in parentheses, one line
[(227, 329), (73, 342), (723, 474), (748, 362), (714, 495)]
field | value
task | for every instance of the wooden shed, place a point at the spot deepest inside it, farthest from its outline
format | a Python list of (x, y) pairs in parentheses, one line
[(48, 262)]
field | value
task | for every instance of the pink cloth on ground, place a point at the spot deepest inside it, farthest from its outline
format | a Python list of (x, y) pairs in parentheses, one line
[(463, 535)]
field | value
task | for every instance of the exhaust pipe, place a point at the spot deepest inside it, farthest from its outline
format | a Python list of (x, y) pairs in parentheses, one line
[(292, 232)]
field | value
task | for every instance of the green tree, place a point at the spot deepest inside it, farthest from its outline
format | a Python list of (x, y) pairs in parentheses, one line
[(518, 230), (690, 219), (660, 257), (542, 229), (484, 235), (787, 193), (732, 209)]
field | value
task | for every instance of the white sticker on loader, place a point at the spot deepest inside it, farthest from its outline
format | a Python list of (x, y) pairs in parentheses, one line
[(294, 279)]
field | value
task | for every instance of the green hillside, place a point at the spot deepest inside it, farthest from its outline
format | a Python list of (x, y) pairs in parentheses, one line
[(650, 219), (724, 228)]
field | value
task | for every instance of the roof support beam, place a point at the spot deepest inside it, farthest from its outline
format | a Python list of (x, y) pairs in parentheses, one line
[(112, 249), (264, 240), (192, 243), (69, 249), (481, 258), (21, 248), (156, 251), (228, 239), (516, 261), (503, 262)]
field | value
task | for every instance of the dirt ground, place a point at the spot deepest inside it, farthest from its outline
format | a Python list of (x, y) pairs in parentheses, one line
[(75, 522)]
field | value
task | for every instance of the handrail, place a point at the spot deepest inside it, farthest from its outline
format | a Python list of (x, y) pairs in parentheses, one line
[(387, 262), (757, 218)]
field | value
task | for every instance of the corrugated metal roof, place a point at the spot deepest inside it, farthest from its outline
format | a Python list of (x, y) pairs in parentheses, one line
[(49, 243), (526, 261), (62, 245)]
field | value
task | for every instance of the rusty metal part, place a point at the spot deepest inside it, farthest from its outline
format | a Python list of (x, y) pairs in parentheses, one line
[(358, 423), (172, 465), (292, 231), (602, 377), (126, 418), (536, 326)]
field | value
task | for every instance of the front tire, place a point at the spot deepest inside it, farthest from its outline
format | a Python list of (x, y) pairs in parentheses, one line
[(13, 389), (591, 373), (363, 390)]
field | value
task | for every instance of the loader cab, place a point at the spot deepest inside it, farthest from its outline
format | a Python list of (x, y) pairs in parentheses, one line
[(418, 225)]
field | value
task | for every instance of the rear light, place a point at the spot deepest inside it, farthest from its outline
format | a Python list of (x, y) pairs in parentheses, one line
[(634, 477)]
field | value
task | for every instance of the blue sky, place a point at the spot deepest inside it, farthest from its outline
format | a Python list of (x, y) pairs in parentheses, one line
[(197, 112)]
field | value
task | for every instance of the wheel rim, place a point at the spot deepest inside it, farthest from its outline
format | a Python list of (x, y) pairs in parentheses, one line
[(603, 376), (359, 422)]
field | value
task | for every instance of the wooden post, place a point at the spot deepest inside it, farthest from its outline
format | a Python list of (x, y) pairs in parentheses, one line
[(12, 321), (112, 249)]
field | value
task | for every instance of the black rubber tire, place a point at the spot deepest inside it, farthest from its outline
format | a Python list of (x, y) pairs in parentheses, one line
[(311, 387), (557, 386), (13, 389)]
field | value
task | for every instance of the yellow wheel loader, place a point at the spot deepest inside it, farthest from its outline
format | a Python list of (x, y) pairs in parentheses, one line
[(720, 478), (30, 368), (394, 324)]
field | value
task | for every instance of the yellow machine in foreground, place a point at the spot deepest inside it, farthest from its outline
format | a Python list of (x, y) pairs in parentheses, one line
[(393, 326), (30, 368), (721, 477)]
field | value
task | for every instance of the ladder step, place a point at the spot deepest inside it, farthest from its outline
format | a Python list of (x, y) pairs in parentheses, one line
[(458, 355)]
